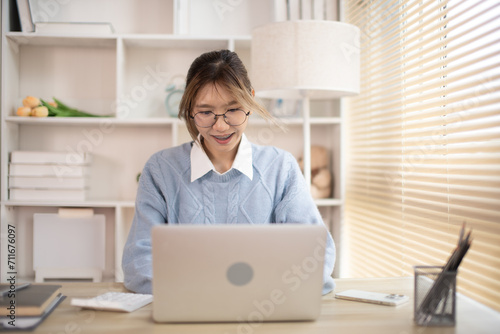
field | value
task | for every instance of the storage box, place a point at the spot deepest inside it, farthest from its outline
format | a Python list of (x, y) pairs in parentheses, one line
[(66, 248)]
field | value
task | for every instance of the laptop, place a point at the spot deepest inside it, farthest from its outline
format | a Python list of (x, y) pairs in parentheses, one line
[(237, 273)]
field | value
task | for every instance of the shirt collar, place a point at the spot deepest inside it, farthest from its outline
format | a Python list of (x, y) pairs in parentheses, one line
[(201, 164)]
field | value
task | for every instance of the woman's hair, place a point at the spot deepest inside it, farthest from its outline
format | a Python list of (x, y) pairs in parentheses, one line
[(225, 69)]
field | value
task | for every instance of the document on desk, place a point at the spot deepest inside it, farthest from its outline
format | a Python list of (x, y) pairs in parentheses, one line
[(373, 297)]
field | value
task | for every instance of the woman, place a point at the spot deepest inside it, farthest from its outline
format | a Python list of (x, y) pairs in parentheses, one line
[(220, 177)]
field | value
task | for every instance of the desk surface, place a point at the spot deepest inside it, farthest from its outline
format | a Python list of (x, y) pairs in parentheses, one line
[(337, 316)]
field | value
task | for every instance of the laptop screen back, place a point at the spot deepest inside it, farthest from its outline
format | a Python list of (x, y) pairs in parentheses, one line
[(237, 273)]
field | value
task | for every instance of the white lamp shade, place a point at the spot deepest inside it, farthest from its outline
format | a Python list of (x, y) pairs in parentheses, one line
[(294, 59)]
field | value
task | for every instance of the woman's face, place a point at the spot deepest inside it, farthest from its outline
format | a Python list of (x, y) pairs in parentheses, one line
[(221, 140)]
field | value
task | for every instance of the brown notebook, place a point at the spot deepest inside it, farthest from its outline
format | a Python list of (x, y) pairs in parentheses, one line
[(30, 301)]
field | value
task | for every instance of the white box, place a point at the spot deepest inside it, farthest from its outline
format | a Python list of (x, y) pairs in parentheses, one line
[(69, 247)]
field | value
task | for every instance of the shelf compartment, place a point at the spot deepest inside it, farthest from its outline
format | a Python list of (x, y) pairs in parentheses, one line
[(148, 65), (118, 153), (83, 77)]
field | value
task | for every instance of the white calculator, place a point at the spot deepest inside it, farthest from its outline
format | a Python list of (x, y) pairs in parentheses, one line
[(114, 301)]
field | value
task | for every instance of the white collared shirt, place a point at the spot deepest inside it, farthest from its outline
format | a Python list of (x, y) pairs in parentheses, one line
[(201, 164)]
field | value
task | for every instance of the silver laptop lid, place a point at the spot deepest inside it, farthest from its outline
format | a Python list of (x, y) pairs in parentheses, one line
[(237, 273)]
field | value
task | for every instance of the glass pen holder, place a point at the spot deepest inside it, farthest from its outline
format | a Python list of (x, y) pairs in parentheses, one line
[(435, 296)]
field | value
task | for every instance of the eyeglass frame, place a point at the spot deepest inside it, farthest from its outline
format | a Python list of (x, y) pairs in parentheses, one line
[(218, 115)]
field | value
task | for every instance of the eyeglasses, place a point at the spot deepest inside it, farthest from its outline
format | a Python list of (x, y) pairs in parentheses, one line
[(233, 117)]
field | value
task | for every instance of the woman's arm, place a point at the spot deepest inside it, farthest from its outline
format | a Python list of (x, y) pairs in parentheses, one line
[(296, 205), (150, 210)]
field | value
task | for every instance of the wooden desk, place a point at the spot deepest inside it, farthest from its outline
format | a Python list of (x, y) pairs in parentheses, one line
[(337, 316)]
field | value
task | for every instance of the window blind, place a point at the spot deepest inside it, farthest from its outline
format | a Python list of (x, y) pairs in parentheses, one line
[(423, 141)]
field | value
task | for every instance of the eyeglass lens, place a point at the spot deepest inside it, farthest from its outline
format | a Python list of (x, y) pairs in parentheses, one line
[(232, 117)]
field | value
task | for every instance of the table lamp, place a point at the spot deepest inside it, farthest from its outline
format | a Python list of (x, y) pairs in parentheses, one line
[(305, 59)]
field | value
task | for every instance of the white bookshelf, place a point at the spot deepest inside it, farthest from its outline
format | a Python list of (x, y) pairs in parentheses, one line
[(124, 75)]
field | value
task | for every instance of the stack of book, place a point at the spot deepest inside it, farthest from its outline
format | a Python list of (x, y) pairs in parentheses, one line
[(25, 307), (48, 176)]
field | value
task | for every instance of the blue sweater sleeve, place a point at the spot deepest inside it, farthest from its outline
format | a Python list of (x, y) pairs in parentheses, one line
[(150, 210), (296, 205)]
